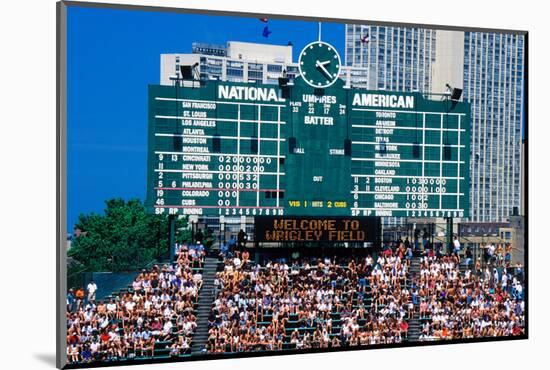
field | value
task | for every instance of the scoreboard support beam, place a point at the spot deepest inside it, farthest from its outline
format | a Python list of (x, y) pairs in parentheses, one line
[(172, 236), (449, 234)]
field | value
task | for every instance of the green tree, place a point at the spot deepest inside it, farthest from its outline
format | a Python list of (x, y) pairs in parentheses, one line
[(124, 238)]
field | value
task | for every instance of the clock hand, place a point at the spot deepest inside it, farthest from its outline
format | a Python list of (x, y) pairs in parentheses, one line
[(325, 62), (324, 70), (321, 67)]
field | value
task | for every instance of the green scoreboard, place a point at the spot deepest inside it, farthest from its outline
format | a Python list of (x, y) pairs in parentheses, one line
[(247, 149)]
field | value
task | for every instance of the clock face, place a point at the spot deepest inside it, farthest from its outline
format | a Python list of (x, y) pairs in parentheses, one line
[(319, 64)]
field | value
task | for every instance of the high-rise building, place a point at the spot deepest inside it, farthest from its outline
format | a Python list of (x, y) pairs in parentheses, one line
[(396, 58), (489, 69), (493, 84)]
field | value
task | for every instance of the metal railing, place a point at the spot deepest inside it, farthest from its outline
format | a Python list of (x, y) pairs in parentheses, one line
[(79, 278)]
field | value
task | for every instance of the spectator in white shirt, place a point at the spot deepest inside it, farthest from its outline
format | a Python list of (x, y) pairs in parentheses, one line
[(92, 289)]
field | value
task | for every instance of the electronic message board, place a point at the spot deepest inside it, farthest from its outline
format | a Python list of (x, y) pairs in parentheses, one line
[(316, 229), (235, 149)]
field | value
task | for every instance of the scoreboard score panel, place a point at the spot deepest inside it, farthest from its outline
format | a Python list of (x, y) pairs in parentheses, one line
[(412, 162), (215, 148), (243, 149)]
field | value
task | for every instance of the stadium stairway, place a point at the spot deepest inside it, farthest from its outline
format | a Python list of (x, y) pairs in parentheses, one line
[(204, 307), (463, 267), (414, 324)]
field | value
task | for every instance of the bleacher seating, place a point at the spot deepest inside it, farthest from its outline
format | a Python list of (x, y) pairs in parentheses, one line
[(315, 304), (466, 304), (152, 318)]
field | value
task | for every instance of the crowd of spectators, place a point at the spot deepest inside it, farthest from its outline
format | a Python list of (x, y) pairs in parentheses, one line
[(499, 255), (158, 309), (310, 303), (455, 304), (299, 303)]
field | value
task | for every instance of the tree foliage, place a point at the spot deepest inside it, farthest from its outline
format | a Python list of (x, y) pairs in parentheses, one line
[(124, 238)]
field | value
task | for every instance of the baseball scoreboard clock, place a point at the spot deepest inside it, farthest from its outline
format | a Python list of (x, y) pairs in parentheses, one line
[(306, 147), (319, 64)]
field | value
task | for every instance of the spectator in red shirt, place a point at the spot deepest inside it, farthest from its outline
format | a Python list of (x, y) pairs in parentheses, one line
[(104, 336)]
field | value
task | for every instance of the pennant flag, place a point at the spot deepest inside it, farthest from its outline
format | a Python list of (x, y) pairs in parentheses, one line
[(365, 39), (263, 20), (266, 32)]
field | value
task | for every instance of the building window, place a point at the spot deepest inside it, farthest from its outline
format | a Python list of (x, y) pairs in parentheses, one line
[(274, 68)]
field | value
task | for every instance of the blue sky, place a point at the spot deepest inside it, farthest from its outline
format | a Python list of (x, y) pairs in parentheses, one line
[(112, 56)]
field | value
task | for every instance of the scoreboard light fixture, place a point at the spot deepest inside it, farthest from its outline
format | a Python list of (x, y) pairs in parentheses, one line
[(189, 71), (283, 81), (453, 94), (456, 94), (455, 97), (186, 72)]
